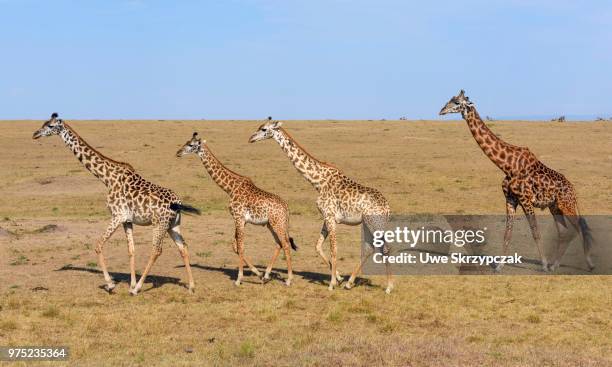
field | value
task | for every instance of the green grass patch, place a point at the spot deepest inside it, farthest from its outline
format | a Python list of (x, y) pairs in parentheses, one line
[(20, 260), (246, 350)]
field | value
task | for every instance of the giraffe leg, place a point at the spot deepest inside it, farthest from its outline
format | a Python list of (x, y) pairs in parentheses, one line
[(568, 206), (319, 247), (287, 250), (533, 224), (511, 204), (280, 228), (357, 270), (562, 241), (128, 228), (239, 237), (251, 266), (158, 236), (247, 261), (110, 285), (581, 226), (331, 225), (373, 223), (266, 276), (175, 234)]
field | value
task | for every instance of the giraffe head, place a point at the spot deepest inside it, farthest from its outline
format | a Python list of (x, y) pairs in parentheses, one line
[(193, 145), (457, 104), (266, 131), (54, 126)]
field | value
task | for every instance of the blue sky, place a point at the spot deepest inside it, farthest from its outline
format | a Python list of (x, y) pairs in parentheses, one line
[(312, 59)]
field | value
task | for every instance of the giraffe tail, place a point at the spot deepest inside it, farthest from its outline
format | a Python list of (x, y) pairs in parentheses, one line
[(587, 235), (293, 245), (184, 208)]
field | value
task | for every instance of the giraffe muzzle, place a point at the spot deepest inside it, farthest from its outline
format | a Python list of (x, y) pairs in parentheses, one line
[(36, 135)]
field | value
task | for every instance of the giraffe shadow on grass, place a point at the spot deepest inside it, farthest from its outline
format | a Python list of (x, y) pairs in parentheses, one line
[(311, 277), (155, 280)]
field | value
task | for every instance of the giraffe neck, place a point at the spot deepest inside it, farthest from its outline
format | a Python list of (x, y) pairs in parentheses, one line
[(493, 147), (225, 178), (313, 170), (104, 168)]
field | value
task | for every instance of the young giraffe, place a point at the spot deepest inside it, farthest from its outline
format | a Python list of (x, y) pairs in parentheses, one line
[(528, 182), (248, 204), (131, 200), (341, 200)]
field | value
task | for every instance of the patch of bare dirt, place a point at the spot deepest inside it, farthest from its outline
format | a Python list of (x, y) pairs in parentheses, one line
[(4, 233)]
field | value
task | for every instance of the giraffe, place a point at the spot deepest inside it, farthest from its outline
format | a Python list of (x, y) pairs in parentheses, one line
[(248, 204), (528, 183), (341, 200), (131, 200)]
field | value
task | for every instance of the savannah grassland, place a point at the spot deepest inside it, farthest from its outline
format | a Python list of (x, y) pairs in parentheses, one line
[(53, 211)]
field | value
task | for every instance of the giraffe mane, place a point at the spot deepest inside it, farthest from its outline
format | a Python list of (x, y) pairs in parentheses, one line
[(126, 165), (235, 174), (305, 151)]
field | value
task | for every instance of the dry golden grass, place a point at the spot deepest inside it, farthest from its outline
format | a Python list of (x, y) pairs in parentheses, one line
[(49, 279)]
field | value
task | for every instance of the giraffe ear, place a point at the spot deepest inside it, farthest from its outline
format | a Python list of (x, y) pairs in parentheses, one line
[(277, 124), (462, 93)]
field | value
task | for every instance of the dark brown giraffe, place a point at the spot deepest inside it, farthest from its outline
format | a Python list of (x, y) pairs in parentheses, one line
[(528, 183)]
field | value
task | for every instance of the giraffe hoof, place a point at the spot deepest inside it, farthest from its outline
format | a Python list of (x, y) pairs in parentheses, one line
[(348, 285), (331, 287), (288, 282), (591, 267), (237, 283), (191, 290), (133, 292), (389, 289), (109, 287)]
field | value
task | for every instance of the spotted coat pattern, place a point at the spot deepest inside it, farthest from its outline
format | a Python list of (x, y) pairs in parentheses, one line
[(528, 182), (131, 200), (341, 200), (247, 204)]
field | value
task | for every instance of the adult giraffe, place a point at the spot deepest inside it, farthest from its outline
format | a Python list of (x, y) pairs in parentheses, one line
[(131, 200), (528, 182), (341, 200)]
